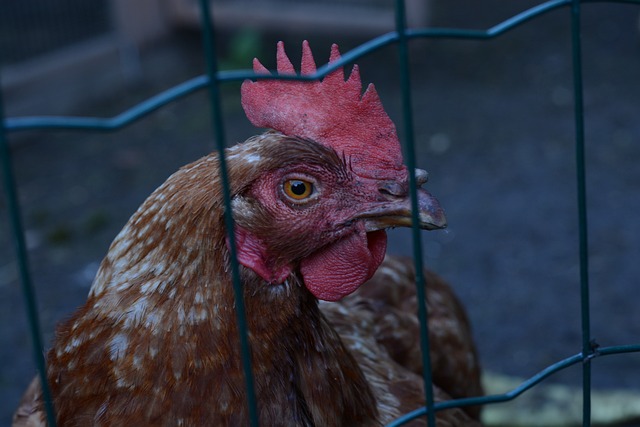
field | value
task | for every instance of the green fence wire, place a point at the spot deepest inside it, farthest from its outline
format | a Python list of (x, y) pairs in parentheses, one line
[(212, 81)]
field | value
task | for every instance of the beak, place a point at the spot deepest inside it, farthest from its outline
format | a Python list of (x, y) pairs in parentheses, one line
[(395, 211)]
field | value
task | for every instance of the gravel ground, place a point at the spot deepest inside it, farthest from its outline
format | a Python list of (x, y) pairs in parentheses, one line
[(494, 127)]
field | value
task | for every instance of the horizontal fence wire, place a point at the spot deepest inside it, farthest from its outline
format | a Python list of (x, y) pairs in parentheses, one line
[(211, 82), (17, 124)]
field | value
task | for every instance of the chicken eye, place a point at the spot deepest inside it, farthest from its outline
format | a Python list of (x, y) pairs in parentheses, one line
[(298, 189)]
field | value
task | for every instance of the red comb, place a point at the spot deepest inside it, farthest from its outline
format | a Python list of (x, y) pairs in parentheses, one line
[(332, 112)]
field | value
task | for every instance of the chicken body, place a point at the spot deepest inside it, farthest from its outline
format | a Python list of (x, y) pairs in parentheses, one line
[(156, 342)]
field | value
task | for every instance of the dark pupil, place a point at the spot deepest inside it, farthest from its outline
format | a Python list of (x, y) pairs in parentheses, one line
[(298, 188)]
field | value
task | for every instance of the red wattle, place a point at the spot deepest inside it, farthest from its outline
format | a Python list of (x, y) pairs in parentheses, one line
[(340, 268)]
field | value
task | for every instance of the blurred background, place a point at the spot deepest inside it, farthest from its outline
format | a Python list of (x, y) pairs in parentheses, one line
[(494, 127)]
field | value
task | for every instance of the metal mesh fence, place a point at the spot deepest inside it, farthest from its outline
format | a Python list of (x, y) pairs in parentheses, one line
[(401, 37)]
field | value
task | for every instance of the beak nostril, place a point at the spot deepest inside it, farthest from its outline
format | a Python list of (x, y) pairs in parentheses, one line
[(392, 189), (385, 193)]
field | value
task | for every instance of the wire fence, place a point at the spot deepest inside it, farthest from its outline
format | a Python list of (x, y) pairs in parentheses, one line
[(212, 81)]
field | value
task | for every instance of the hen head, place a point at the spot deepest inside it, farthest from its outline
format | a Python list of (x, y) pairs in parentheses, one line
[(338, 184)]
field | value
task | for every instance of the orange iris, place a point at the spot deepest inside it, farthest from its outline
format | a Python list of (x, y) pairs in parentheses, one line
[(298, 189)]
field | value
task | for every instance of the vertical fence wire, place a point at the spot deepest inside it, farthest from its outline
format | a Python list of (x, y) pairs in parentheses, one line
[(587, 350), (217, 122), (22, 257), (407, 118)]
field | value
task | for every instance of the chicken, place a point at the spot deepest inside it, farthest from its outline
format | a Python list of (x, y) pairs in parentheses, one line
[(156, 342)]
